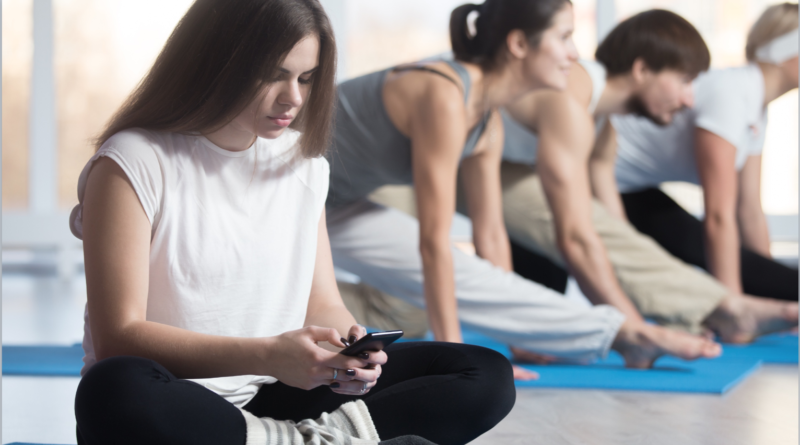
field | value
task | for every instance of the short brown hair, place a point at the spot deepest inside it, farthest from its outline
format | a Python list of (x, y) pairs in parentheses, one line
[(220, 55), (662, 39)]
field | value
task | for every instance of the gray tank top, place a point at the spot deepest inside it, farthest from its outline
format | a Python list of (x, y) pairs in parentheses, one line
[(368, 151)]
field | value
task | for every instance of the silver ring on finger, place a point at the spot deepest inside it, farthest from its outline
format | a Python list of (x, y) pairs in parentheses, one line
[(364, 389), (335, 373)]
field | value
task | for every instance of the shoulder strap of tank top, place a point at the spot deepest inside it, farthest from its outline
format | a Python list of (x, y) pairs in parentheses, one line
[(460, 70), (597, 73), (463, 74)]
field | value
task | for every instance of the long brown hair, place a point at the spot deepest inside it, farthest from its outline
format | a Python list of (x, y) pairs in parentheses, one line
[(497, 18), (220, 56)]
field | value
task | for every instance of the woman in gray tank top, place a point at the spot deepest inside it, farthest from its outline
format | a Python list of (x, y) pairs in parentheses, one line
[(419, 123), (426, 123)]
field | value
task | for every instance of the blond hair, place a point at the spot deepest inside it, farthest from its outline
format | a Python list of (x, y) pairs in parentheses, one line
[(776, 21)]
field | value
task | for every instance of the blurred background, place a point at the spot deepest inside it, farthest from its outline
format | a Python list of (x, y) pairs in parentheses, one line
[(68, 64)]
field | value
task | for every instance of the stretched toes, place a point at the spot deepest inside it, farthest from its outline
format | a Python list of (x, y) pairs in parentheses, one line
[(523, 374), (523, 356)]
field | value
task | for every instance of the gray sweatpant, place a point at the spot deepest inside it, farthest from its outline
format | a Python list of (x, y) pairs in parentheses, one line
[(380, 245)]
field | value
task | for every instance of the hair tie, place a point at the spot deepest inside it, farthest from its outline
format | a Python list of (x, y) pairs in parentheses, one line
[(779, 49), (472, 28)]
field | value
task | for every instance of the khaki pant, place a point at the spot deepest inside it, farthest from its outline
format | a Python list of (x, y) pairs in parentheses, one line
[(379, 310), (661, 286)]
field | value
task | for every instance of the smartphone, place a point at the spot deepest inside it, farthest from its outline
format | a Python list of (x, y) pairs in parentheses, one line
[(374, 341)]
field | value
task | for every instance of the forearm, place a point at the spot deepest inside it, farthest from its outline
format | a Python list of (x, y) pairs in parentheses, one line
[(612, 201), (722, 250), (494, 248), (588, 262), (185, 353), (604, 188), (439, 288), (754, 233), (332, 316)]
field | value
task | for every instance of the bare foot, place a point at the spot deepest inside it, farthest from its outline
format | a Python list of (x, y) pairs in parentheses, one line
[(640, 344), (523, 356), (523, 374), (743, 318), (707, 333)]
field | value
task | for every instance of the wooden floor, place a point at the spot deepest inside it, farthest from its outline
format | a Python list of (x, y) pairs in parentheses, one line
[(763, 410)]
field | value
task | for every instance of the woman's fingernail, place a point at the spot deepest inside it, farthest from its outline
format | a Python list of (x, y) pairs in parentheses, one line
[(335, 385), (346, 343), (350, 372), (352, 338), (364, 355)]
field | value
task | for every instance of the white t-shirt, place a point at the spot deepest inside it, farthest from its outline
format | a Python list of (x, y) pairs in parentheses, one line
[(234, 236), (522, 145), (728, 102)]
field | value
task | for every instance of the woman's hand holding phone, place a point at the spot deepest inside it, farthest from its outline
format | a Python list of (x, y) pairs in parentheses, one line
[(296, 359), (358, 381)]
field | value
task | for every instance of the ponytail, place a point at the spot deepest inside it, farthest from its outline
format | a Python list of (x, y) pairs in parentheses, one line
[(465, 46), (497, 18)]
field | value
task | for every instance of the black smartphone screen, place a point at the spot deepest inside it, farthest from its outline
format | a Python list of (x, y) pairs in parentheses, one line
[(374, 341)]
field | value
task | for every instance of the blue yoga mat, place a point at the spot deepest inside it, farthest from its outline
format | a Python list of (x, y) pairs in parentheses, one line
[(43, 360), (669, 374), (781, 348), (775, 348)]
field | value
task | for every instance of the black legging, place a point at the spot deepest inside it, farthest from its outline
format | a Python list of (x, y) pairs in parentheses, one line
[(536, 267), (445, 392), (655, 214)]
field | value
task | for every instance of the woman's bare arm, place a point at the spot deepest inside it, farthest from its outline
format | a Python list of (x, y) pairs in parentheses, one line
[(326, 309), (717, 170), (325, 306), (602, 172), (438, 131), (750, 214), (481, 181)]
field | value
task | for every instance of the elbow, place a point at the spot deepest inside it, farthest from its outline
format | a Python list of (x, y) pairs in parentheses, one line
[(716, 220), (494, 241), (104, 349), (433, 249), (111, 344), (572, 244)]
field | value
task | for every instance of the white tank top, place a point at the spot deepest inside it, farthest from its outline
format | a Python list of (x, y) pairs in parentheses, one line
[(521, 145)]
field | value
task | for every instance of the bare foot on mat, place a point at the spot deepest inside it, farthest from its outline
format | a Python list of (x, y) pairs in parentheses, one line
[(523, 374), (743, 318), (640, 344)]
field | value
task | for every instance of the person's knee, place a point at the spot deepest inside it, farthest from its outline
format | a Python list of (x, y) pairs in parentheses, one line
[(118, 374), (496, 385), (491, 389), (114, 389)]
